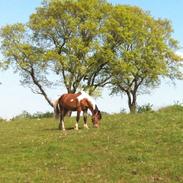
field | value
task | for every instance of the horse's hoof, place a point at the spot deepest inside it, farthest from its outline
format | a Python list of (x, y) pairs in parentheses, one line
[(86, 126), (76, 126)]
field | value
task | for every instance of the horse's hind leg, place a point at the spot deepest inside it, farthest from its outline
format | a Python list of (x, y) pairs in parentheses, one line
[(61, 124)]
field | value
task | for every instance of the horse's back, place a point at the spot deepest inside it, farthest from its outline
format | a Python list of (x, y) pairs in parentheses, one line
[(69, 101), (76, 102)]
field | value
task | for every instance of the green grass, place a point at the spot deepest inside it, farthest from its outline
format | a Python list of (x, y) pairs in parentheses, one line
[(141, 148)]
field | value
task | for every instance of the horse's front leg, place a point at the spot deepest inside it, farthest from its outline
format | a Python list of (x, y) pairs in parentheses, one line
[(77, 120), (85, 119)]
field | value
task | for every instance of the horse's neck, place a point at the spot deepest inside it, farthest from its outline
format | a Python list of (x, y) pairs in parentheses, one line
[(93, 109), (92, 106)]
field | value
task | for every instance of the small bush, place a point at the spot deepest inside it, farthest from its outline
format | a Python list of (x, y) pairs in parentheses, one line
[(23, 115), (145, 108), (1, 119), (123, 111), (42, 115), (26, 115)]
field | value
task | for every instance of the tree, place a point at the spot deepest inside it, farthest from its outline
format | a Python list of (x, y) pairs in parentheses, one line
[(143, 49)]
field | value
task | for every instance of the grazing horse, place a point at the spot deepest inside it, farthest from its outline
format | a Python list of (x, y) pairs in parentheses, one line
[(77, 102)]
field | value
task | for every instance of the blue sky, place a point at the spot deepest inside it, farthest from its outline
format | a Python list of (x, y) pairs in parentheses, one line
[(14, 98)]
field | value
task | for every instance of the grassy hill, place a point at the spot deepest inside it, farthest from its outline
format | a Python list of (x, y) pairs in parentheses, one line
[(141, 148)]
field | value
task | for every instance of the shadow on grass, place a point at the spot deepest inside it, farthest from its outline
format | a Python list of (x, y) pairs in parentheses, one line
[(56, 129)]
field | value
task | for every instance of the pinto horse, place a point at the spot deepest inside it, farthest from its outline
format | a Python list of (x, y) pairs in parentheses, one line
[(77, 102)]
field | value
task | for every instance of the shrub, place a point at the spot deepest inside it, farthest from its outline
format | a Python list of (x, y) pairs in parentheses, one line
[(26, 115), (1, 119), (42, 115), (123, 111), (145, 108)]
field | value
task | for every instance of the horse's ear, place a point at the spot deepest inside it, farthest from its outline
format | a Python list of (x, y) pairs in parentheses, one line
[(96, 108), (100, 114)]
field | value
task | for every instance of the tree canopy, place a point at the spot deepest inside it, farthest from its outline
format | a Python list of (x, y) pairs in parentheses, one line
[(70, 32)]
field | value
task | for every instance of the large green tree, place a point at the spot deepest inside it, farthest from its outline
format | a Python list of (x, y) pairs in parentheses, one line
[(144, 51)]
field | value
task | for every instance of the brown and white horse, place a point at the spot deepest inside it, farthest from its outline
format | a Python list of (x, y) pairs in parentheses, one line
[(76, 102)]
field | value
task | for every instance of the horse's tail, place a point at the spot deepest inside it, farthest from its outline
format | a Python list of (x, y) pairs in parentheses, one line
[(56, 108)]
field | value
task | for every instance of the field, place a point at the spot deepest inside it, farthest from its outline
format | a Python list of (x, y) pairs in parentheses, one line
[(140, 148)]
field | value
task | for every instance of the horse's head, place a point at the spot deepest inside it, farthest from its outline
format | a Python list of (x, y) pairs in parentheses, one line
[(96, 117)]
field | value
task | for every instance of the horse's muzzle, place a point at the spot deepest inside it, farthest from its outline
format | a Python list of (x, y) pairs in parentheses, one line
[(96, 125)]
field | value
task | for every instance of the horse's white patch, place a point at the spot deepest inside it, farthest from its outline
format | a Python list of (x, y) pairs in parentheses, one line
[(72, 100), (85, 95), (76, 126), (63, 126), (86, 126)]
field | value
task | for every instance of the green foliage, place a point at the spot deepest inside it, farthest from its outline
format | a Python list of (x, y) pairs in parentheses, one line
[(123, 111), (22, 53), (38, 115), (145, 108), (1, 119), (42, 115), (126, 148), (23, 115), (71, 30)]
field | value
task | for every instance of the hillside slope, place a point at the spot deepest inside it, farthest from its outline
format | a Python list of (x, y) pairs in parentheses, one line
[(126, 149)]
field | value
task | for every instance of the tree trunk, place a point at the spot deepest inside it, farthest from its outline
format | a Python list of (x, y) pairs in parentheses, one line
[(133, 108), (132, 102), (36, 82)]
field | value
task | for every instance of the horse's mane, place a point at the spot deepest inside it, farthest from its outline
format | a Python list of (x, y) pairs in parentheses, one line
[(88, 97)]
